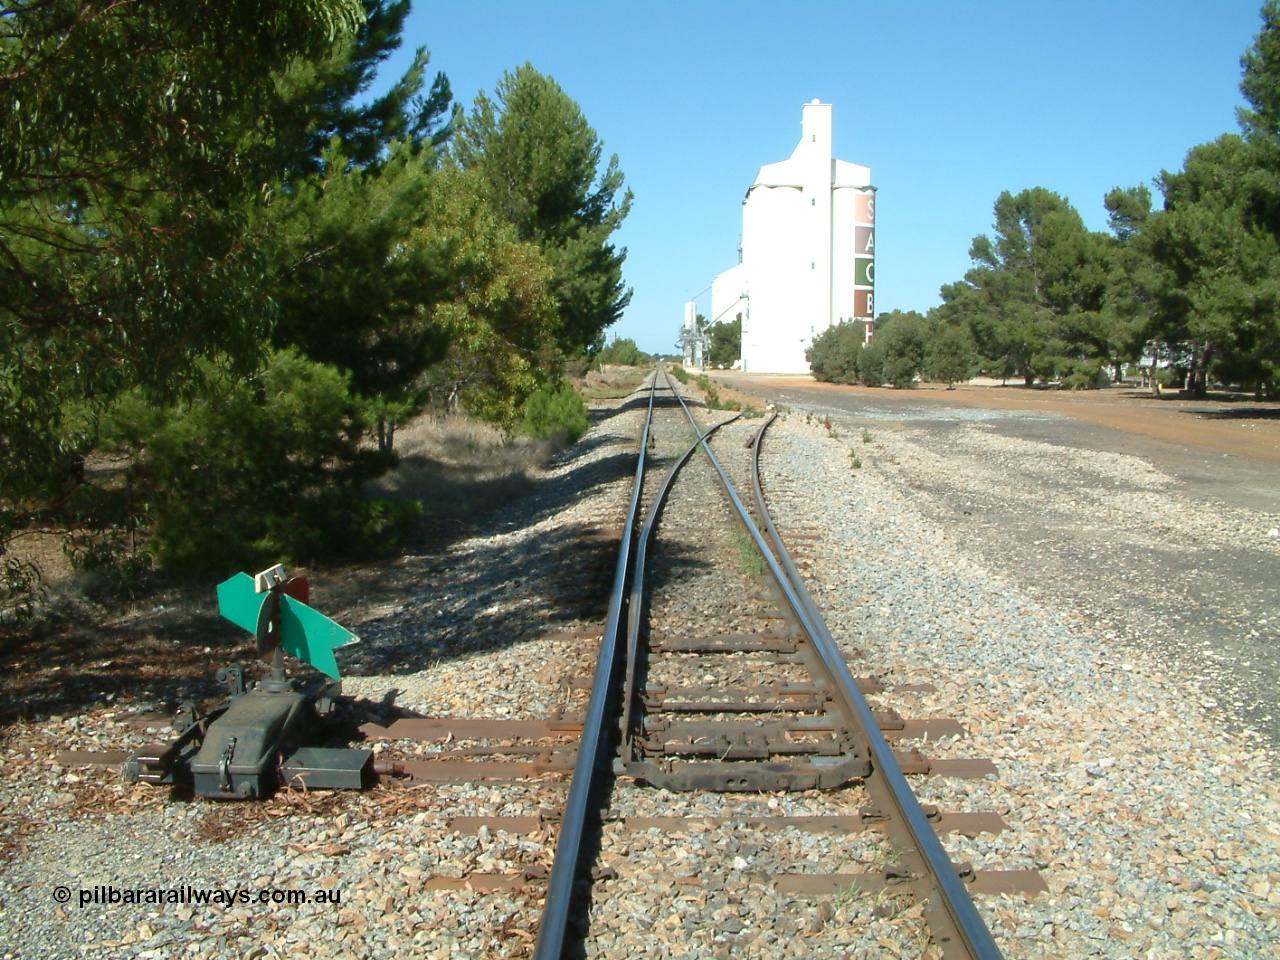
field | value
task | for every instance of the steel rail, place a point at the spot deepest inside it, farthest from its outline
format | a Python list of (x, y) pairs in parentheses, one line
[(954, 921), (635, 607), (595, 729), (766, 521)]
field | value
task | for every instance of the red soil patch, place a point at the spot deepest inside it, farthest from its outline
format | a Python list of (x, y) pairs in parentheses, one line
[(1238, 426)]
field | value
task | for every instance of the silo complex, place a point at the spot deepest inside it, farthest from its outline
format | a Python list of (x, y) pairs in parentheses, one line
[(808, 252)]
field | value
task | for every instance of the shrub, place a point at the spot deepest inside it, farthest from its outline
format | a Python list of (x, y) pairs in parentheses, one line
[(556, 410), (21, 590), (870, 367), (1082, 374), (833, 355), (257, 470), (902, 336), (951, 356), (623, 352), (679, 373), (713, 401), (726, 342)]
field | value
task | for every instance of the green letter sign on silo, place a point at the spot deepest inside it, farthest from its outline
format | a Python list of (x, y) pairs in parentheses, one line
[(864, 272)]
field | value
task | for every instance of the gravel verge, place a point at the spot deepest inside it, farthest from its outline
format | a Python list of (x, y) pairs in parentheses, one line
[(1154, 824), (494, 627)]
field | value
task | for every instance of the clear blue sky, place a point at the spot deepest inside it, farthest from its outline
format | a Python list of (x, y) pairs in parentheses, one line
[(948, 103)]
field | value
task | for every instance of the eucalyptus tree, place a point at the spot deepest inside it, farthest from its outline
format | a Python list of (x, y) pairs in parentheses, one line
[(135, 137), (496, 306), (132, 136)]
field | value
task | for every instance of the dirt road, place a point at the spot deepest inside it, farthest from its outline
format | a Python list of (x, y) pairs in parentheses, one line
[(1158, 519), (1238, 428), (1227, 450)]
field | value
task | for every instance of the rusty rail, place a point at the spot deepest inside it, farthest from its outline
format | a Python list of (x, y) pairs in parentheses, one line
[(953, 919), (636, 600), (596, 730)]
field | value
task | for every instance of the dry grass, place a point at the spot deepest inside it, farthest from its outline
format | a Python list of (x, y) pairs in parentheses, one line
[(457, 468), (165, 645), (729, 393), (611, 382), (82, 651)]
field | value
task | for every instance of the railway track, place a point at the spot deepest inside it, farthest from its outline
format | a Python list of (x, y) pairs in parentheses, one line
[(1151, 821), (729, 692)]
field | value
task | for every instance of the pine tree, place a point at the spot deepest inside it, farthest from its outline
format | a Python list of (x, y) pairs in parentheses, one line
[(135, 139), (407, 113), (540, 164), (1035, 295)]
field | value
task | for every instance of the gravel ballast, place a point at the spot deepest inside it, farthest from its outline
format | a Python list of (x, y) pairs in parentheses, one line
[(1155, 824), (1154, 821)]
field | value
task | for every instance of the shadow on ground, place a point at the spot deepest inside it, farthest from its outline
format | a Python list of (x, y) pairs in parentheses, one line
[(168, 647), (1238, 413), (71, 662), (507, 590)]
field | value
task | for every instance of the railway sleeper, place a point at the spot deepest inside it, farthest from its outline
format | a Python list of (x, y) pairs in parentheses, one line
[(661, 693), (761, 749), (1026, 883), (819, 773), (892, 725), (798, 705), (725, 643), (969, 824)]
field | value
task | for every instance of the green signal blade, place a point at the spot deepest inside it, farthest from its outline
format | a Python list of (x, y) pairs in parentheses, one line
[(238, 602), (311, 636), (304, 632)]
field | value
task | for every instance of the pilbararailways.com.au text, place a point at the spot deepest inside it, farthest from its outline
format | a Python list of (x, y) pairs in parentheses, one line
[(110, 895)]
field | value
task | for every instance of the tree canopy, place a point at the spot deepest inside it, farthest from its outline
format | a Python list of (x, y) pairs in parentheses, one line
[(1193, 283), (131, 135), (903, 347), (1212, 268), (209, 226), (404, 114), (726, 342), (623, 351), (135, 138), (539, 162), (1036, 297)]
